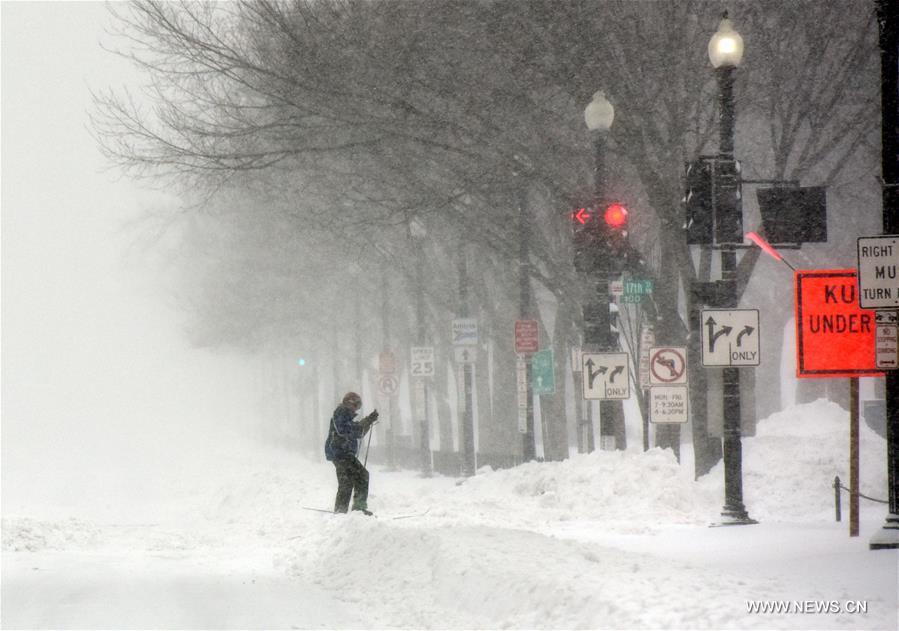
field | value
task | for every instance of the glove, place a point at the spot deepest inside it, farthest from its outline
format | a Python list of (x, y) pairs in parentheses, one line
[(369, 420)]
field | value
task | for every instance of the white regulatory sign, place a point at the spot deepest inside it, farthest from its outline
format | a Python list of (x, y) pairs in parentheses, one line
[(388, 384), (730, 338), (606, 375), (887, 340), (878, 272), (668, 404), (422, 361), (667, 365)]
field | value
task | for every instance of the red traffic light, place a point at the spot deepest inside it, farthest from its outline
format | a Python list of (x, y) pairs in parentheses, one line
[(616, 216)]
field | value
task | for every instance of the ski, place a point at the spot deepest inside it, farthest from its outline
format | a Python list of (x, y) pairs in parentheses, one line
[(407, 516), (411, 515)]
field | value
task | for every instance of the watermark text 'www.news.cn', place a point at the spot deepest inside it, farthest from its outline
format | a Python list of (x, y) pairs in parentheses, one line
[(807, 606)]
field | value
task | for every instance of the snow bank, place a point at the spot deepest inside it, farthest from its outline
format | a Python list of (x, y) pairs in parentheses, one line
[(789, 466), (626, 489), (32, 535)]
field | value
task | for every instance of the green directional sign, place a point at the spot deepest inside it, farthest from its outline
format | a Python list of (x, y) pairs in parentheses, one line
[(542, 374)]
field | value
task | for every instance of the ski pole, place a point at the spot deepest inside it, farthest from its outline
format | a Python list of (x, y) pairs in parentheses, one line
[(367, 447)]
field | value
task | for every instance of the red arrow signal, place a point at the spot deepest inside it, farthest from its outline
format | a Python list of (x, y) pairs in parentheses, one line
[(582, 215)]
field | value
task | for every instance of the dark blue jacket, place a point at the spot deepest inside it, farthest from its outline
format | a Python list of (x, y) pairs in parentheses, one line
[(343, 434)]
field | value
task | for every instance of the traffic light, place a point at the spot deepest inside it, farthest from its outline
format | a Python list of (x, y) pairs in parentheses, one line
[(713, 202), (600, 236), (728, 202), (698, 202), (614, 229), (584, 238)]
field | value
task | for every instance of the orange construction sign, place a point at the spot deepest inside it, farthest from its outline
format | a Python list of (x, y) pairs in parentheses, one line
[(834, 337)]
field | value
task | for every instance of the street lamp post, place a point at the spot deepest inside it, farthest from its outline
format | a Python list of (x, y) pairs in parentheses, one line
[(725, 53), (598, 116)]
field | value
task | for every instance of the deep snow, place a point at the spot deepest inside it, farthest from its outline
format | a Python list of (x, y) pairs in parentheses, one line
[(605, 540)]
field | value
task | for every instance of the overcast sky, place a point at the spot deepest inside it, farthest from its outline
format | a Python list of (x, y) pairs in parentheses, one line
[(91, 353)]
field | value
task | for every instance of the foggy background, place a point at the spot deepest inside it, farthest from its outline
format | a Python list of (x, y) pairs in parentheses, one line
[(102, 400)]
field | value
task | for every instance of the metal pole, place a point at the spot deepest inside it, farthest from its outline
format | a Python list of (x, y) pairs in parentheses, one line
[(385, 345), (597, 323), (467, 434), (888, 21), (425, 425), (836, 498), (528, 445), (734, 512), (314, 393), (853, 457)]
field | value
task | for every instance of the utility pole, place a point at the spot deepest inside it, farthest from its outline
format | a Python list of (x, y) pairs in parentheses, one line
[(888, 21)]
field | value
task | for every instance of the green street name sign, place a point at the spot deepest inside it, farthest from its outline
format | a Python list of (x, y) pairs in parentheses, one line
[(638, 287)]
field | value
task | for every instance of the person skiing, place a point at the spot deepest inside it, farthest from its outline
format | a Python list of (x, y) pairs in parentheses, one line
[(341, 448)]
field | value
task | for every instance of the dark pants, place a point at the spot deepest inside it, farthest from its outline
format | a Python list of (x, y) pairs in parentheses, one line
[(352, 479)]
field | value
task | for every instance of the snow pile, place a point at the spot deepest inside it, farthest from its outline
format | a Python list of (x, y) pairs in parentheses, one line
[(789, 466), (619, 488), (26, 534), (493, 577)]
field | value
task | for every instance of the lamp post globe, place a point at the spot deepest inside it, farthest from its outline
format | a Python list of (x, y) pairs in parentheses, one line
[(599, 113), (726, 45)]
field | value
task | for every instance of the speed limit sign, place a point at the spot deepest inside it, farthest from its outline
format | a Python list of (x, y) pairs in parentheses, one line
[(422, 361)]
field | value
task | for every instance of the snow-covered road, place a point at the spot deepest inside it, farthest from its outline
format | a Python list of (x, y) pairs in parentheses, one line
[(606, 540)]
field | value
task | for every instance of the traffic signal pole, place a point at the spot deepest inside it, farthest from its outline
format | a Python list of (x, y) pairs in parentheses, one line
[(888, 21), (597, 321), (734, 512)]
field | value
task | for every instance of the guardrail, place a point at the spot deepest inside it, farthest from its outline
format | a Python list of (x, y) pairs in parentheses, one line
[(836, 497)]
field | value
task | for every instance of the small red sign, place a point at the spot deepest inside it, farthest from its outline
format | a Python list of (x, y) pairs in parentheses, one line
[(386, 362), (526, 336), (834, 337)]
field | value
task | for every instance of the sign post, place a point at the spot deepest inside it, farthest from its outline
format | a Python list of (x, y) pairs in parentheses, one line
[(521, 379), (836, 338), (465, 342)]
